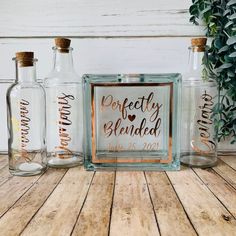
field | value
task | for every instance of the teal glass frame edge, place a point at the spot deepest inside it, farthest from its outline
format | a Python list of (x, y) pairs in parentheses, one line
[(89, 79)]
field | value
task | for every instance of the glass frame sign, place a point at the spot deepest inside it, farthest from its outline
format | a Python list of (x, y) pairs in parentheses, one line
[(131, 125)]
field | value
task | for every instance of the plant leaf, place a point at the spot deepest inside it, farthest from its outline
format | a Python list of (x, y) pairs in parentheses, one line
[(228, 24), (220, 19), (233, 16), (231, 40), (223, 49), (193, 20), (232, 142), (193, 10), (227, 101), (232, 54), (226, 12), (217, 43), (206, 10), (230, 73), (231, 2), (233, 109), (225, 66)]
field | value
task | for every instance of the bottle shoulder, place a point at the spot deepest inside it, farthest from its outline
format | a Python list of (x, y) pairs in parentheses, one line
[(57, 77), (198, 80), (19, 87)]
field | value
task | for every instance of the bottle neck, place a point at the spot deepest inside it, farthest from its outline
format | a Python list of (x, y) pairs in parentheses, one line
[(25, 74), (63, 61), (195, 65)]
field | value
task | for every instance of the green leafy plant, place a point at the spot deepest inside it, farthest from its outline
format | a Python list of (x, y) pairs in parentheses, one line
[(219, 16)]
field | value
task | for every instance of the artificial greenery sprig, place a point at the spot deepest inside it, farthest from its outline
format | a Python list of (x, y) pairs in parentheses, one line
[(219, 16)]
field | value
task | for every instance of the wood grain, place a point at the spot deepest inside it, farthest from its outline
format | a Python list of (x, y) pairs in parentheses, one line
[(169, 211), (230, 160), (132, 212), (24, 209), (13, 189), (187, 202), (87, 18), (94, 218), (3, 161), (206, 213), (220, 188), (59, 213), (226, 172), (4, 175), (4, 172)]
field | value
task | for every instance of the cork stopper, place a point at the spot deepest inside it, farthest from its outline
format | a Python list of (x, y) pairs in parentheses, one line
[(63, 44), (25, 58), (198, 44)]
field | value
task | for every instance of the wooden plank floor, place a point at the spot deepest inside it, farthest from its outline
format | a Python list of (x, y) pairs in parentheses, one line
[(77, 202)]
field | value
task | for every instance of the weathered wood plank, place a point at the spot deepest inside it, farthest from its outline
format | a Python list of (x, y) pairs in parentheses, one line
[(206, 213), (13, 189), (220, 188), (15, 220), (4, 172), (132, 212), (94, 218), (59, 213), (169, 212), (4, 175), (96, 18), (230, 160), (228, 173), (3, 161)]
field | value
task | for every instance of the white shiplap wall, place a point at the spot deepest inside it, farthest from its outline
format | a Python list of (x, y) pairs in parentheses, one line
[(108, 36)]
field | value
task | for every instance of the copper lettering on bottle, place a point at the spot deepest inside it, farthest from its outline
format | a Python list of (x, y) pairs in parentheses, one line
[(204, 124), (24, 128), (62, 151)]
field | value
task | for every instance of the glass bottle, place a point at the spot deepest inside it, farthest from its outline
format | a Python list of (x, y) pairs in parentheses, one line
[(64, 111), (26, 119), (199, 96)]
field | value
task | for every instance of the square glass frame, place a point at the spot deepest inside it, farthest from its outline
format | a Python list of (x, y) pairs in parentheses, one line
[(148, 140)]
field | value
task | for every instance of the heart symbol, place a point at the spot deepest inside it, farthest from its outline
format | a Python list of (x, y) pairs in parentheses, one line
[(131, 118)]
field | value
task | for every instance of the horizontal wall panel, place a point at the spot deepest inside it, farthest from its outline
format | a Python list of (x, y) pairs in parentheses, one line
[(85, 18), (134, 55)]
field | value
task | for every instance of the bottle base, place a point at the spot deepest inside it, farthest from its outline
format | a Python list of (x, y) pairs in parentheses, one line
[(28, 169), (56, 162), (197, 161)]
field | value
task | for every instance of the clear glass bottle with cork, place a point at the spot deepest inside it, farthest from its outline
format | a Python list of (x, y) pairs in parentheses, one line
[(64, 111), (199, 99), (26, 119)]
